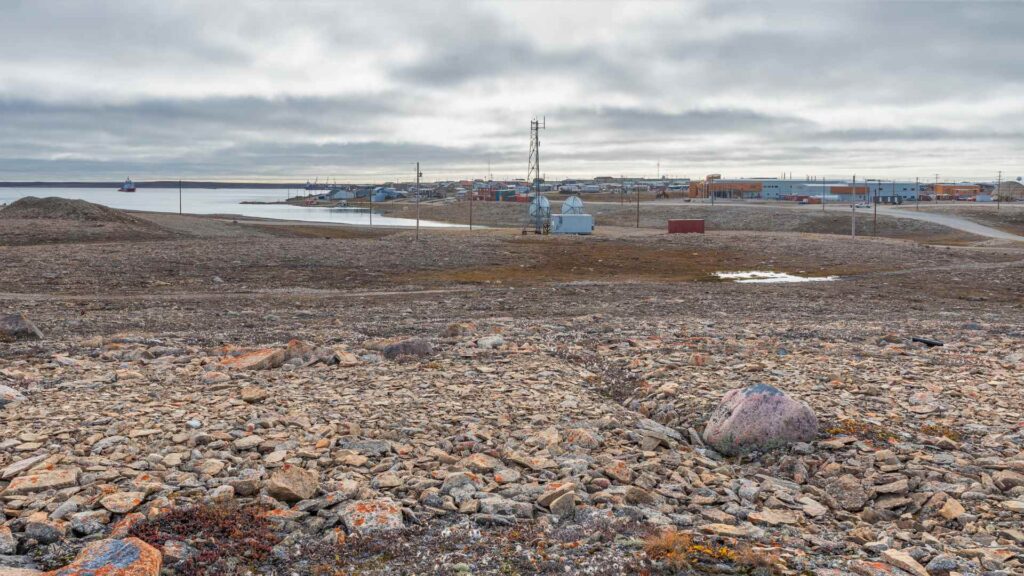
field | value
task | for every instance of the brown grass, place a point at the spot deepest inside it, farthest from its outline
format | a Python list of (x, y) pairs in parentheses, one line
[(316, 231), (552, 259), (679, 551)]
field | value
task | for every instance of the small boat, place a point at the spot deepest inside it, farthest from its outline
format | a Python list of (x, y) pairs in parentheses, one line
[(128, 186)]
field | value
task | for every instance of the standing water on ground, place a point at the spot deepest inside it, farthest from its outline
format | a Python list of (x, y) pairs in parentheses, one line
[(227, 201), (765, 277)]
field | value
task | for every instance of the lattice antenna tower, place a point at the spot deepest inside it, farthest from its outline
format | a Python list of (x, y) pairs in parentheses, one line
[(533, 173)]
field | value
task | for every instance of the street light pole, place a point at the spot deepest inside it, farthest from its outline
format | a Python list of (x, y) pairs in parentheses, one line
[(917, 192)]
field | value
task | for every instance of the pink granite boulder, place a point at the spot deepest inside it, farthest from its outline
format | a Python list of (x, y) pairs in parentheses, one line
[(759, 417)]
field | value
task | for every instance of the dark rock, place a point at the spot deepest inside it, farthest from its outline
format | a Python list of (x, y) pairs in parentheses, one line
[(414, 347), (17, 327)]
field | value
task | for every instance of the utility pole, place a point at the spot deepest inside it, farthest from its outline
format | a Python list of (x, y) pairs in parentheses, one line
[(179, 196), (638, 207), (853, 207), (822, 193), (999, 184), (874, 221), (917, 192), (418, 174)]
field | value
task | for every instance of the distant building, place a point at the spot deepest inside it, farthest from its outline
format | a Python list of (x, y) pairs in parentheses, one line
[(952, 191)]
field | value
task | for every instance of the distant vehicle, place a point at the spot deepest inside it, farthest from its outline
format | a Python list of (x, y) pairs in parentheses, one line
[(128, 186), (863, 205), (804, 201)]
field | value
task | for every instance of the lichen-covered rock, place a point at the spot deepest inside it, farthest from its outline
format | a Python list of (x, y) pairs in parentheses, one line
[(18, 327), (759, 417), (42, 481), (127, 557), (365, 516)]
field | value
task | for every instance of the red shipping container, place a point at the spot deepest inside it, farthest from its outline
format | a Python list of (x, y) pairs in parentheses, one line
[(685, 226)]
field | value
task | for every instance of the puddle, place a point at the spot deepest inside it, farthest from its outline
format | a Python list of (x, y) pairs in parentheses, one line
[(764, 277)]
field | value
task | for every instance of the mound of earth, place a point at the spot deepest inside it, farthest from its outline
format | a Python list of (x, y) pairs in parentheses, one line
[(54, 208), (71, 221)]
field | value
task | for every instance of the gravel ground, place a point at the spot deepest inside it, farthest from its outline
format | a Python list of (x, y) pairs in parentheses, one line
[(240, 383)]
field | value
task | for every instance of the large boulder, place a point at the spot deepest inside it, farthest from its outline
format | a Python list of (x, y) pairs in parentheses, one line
[(291, 483), (127, 557), (17, 327), (759, 417)]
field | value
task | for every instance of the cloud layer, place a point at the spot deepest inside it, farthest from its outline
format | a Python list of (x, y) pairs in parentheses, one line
[(360, 91)]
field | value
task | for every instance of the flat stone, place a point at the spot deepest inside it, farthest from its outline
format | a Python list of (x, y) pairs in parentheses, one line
[(848, 492), (479, 462), (42, 481), (733, 531), (247, 442), (122, 502), (904, 561), (366, 516), (21, 466), (773, 517), (254, 394), (865, 568), (262, 359)]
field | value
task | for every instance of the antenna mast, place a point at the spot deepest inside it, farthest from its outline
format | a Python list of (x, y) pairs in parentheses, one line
[(533, 172)]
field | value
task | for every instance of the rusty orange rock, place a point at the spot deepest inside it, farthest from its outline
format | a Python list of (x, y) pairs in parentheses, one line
[(262, 359), (128, 557)]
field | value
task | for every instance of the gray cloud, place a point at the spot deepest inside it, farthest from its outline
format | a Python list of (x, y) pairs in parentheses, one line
[(280, 90)]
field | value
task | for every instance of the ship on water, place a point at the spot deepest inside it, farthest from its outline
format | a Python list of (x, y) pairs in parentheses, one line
[(128, 186)]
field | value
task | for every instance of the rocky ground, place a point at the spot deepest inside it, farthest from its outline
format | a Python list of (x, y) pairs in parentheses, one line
[(239, 399)]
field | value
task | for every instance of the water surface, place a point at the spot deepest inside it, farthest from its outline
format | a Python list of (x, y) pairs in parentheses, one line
[(216, 201)]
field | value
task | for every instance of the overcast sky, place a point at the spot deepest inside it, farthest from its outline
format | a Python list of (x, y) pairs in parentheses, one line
[(360, 91)]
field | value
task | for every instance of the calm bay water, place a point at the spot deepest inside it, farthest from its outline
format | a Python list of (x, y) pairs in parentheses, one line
[(207, 201)]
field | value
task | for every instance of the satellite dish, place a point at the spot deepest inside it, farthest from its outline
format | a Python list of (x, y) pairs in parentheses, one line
[(540, 206), (572, 205)]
